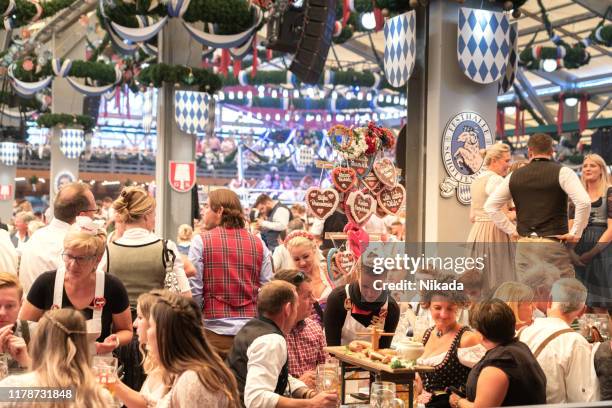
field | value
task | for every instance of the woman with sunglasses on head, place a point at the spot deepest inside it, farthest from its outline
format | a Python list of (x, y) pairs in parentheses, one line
[(76, 284)]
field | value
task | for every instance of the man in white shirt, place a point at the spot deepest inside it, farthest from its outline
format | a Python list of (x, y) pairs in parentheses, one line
[(563, 354), (259, 359), (8, 253), (276, 218), (43, 250), (540, 191)]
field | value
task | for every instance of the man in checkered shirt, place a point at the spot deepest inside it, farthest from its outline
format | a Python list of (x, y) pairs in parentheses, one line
[(306, 340)]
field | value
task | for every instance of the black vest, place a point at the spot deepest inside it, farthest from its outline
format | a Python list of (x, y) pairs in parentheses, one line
[(271, 237), (541, 203), (237, 359)]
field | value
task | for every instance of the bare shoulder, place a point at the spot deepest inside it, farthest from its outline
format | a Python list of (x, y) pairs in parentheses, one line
[(469, 339)]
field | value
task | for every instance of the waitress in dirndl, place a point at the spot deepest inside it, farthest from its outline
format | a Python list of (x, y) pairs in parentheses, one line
[(357, 307), (78, 284)]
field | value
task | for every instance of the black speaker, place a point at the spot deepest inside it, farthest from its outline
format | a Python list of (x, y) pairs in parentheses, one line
[(313, 46), (284, 29)]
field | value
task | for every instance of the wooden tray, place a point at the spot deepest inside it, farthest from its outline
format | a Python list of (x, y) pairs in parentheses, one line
[(342, 354)]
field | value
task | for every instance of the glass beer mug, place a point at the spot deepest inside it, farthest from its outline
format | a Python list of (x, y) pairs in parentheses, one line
[(382, 395)]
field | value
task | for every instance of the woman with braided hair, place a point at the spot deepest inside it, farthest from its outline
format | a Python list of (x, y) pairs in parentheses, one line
[(60, 360), (196, 375)]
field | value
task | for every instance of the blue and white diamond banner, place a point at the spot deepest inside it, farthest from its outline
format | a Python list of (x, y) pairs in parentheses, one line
[(9, 153), (72, 143), (191, 111), (483, 44), (400, 48), (511, 66)]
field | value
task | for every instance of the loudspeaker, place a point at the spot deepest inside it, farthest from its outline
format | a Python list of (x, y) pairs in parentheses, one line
[(284, 29), (313, 46)]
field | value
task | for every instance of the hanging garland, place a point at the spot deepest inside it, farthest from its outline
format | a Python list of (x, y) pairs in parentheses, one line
[(156, 74), (12, 100), (28, 70), (565, 55), (64, 120), (26, 12)]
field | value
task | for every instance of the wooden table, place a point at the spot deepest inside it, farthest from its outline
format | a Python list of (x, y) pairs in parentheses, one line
[(382, 372)]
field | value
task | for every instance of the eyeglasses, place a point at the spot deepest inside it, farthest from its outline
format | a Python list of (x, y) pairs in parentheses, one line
[(92, 209), (78, 259)]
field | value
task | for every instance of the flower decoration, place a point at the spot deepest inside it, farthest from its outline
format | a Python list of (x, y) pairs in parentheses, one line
[(362, 141)]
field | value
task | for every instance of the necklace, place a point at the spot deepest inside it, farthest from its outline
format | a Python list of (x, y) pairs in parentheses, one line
[(440, 333)]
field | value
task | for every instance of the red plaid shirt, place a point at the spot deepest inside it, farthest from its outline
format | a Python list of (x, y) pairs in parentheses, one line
[(305, 347), (231, 267)]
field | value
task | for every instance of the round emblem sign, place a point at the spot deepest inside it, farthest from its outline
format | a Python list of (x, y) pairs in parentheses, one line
[(465, 135)]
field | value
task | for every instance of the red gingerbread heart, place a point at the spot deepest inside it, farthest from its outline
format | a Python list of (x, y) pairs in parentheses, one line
[(345, 261), (344, 178), (391, 199), (322, 202), (386, 172), (360, 206)]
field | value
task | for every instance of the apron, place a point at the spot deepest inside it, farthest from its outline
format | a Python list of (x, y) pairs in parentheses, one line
[(93, 325), (352, 326)]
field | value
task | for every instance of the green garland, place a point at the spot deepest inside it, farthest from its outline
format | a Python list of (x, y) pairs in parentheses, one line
[(103, 73), (25, 10), (13, 100), (348, 78), (156, 74), (604, 37), (49, 120)]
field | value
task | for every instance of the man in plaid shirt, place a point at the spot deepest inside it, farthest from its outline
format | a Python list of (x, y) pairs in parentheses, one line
[(306, 340)]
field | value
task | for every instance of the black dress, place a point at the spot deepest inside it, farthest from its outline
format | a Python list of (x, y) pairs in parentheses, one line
[(450, 372), (527, 380), (597, 274)]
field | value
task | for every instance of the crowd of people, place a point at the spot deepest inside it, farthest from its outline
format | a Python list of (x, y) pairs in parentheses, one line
[(237, 312)]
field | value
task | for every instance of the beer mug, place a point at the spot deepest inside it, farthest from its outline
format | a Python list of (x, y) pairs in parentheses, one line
[(105, 370), (382, 395), (4, 365), (328, 377), (421, 324)]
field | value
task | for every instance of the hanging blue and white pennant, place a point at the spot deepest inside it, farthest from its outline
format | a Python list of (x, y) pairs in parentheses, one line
[(9, 153), (72, 143), (400, 48), (226, 40), (192, 110), (140, 34), (95, 90), (8, 21), (483, 44), (28, 88), (511, 66)]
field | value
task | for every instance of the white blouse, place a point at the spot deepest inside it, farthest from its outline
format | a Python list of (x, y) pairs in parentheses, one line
[(468, 356)]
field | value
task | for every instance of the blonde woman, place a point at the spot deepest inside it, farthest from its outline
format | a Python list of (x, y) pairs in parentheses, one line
[(307, 258), (486, 240), (153, 388), (520, 299), (593, 254), (77, 284), (60, 360), (196, 375)]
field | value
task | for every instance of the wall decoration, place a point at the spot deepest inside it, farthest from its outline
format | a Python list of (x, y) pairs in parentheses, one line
[(360, 207), (62, 178), (511, 64), (322, 202), (72, 143), (482, 44), (400, 48), (9, 153), (464, 136), (391, 199), (192, 111)]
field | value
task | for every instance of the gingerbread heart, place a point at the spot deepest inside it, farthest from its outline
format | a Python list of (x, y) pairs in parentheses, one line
[(363, 166), (385, 171), (345, 261), (391, 199), (360, 206), (371, 182), (344, 178), (322, 202)]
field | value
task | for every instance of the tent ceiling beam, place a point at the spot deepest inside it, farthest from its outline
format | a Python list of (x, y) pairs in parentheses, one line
[(533, 98), (556, 24), (601, 108), (596, 6)]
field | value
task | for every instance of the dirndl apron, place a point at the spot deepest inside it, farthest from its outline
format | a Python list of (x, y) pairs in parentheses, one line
[(351, 326), (93, 325)]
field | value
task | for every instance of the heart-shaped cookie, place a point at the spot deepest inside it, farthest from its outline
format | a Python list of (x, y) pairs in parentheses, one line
[(385, 171), (371, 182), (322, 202), (344, 178), (345, 261), (363, 166), (391, 199), (360, 206)]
